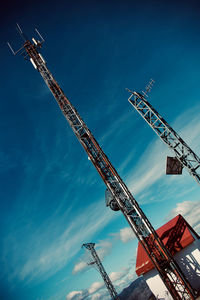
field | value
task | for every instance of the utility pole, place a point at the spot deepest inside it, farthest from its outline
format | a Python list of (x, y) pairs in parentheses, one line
[(184, 156), (97, 262), (120, 198)]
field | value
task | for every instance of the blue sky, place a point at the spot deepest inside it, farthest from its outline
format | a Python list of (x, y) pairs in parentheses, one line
[(52, 199)]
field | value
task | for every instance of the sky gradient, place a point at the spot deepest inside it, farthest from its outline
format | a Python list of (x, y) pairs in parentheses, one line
[(52, 199)]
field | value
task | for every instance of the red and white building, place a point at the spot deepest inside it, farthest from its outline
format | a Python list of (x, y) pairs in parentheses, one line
[(184, 244)]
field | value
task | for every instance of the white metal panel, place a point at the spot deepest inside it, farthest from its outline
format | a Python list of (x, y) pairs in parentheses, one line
[(157, 286), (188, 260), (33, 63)]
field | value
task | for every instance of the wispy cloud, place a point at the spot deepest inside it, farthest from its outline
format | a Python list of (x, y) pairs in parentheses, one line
[(96, 296), (125, 234), (75, 295), (79, 267), (190, 210), (46, 257), (97, 290), (95, 287), (121, 278), (90, 293), (103, 248), (117, 127), (124, 276)]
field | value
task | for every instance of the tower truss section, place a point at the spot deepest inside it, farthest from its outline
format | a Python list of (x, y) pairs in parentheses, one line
[(121, 197), (183, 153)]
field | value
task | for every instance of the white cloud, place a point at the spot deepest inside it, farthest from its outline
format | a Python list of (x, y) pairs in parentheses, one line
[(190, 210), (75, 295), (189, 130), (96, 286), (79, 295), (114, 276), (116, 127), (103, 248), (131, 276), (125, 234), (149, 169), (96, 296), (121, 282), (98, 290), (79, 267), (121, 275)]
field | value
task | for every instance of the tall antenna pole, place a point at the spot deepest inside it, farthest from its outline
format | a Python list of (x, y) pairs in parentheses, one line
[(119, 196), (97, 262), (183, 153)]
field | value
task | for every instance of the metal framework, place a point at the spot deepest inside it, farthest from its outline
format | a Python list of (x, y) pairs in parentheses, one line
[(168, 135), (174, 235), (121, 197), (97, 262)]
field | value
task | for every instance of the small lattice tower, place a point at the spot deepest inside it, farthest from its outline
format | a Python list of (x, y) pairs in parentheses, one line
[(100, 268)]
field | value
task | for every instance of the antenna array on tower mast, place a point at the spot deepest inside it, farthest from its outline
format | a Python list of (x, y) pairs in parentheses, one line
[(121, 198)]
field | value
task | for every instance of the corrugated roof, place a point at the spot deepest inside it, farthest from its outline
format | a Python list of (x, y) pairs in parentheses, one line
[(174, 234)]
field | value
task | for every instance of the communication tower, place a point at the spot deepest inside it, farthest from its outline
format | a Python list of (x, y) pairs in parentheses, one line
[(97, 262), (118, 195), (184, 156)]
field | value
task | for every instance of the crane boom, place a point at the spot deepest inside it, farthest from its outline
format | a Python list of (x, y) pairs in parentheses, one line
[(170, 272), (104, 275), (167, 134)]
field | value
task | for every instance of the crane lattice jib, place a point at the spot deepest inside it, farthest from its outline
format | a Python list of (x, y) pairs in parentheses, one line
[(168, 135), (168, 269), (97, 262)]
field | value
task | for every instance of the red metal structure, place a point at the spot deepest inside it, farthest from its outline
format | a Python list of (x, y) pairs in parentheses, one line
[(175, 235), (118, 195)]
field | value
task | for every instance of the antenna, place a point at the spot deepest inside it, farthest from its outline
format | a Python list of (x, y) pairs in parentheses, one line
[(144, 94), (148, 87), (21, 32), (42, 39), (37, 43), (11, 48)]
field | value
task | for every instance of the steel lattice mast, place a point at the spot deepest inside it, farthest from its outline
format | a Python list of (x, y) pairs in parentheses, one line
[(120, 198), (97, 262), (167, 134)]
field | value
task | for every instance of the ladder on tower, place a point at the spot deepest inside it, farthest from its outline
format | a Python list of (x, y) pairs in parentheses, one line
[(184, 155), (120, 196)]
